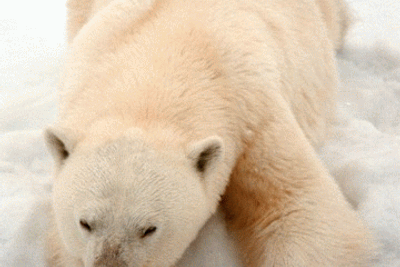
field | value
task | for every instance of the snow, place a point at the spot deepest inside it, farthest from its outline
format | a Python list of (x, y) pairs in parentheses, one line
[(363, 155)]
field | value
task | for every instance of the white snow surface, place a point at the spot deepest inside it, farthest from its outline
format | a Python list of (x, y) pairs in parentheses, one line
[(363, 155)]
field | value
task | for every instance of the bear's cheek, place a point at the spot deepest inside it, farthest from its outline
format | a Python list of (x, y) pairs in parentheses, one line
[(69, 232), (64, 203), (182, 228)]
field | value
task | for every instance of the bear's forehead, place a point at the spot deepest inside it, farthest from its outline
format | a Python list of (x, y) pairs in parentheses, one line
[(117, 156), (127, 167), (129, 170), (129, 191), (124, 146), (135, 156), (110, 204)]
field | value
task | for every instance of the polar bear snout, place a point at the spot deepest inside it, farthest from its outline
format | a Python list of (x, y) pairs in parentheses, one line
[(110, 256), (112, 250)]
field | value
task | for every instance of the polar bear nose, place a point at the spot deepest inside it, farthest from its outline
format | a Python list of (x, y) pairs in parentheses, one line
[(110, 256)]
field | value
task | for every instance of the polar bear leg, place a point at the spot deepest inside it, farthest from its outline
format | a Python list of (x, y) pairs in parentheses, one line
[(283, 207)]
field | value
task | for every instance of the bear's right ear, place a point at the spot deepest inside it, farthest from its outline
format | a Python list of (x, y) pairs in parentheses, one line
[(206, 154), (60, 142)]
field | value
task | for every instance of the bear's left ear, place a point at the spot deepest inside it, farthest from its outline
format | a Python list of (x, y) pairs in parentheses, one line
[(60, 142), (206, 154)]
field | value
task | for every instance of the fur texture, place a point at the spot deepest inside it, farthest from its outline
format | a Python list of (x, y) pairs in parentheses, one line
[(167, 105)]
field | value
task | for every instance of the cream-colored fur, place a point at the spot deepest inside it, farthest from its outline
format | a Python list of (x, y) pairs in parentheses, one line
[(169, 104)]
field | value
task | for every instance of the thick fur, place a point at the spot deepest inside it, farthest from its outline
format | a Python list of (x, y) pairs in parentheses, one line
[(169, 104)]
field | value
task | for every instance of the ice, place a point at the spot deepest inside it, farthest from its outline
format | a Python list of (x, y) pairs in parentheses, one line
[(363, 154)]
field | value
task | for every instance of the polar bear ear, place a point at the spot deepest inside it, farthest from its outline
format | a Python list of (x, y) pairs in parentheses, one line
[(206, 154), (60, 142)]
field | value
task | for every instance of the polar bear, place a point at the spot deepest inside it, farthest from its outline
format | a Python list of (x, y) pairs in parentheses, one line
[(171, 108)]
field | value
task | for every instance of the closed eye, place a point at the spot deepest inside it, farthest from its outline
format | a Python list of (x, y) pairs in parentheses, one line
[(84, 224), (148, 231)]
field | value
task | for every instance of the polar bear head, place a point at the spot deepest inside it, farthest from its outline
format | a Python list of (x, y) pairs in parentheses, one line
[(126, 203)]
